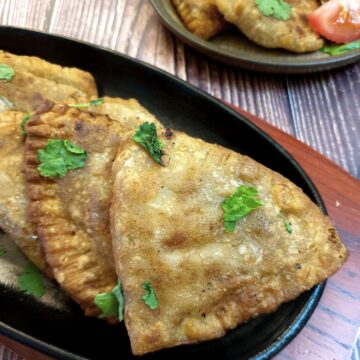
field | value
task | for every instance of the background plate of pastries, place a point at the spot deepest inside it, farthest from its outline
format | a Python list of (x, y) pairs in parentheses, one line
[(292, 46)]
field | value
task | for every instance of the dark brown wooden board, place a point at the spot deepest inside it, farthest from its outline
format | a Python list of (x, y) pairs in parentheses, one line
[(332, 329)]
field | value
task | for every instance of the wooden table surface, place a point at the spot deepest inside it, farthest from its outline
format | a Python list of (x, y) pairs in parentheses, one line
[(322, 110)]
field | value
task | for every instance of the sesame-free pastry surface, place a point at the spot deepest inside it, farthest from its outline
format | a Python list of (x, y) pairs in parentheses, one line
[(294, 34), (72, 212), (36, 80), (128, 112), (206, 279), (13, 197), (201, 17)]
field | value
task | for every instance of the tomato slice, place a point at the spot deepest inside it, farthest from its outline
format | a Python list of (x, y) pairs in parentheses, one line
[(337, 20)]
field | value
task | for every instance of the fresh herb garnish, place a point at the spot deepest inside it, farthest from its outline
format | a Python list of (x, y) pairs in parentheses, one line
[(6, 72), (2, 251), (118, 293), (241, 203), (287, 224), (149, 298), (288, 227), (335, 49), (146, 136), (107, 303), (30, 281), (25, 119), (111, 303), (60, 156), (88, 104), (278, 9)]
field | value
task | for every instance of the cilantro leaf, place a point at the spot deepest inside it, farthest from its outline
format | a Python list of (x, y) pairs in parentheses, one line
[(149, 298), (88, 104), (238, 205), (111, 303), (288, 227), (278, 9), (146, 136), (60, 156), (30, 281), (335, 49), (25, 119), (107, 303), (118, 293), (2, 251), (6, 72)]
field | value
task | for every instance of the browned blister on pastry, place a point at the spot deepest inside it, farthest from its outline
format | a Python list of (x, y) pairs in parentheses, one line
[(207, 280), (72, 212), (13, 197), (36, 80), (201, 17), (294, 34)]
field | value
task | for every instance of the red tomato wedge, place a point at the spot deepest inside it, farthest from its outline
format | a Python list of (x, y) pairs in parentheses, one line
[(337, 20)]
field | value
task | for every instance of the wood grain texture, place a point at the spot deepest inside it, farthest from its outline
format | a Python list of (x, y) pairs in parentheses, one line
[(313, 108), (322, 110)]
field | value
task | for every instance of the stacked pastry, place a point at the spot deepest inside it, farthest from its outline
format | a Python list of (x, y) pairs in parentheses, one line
[(190, 238), (272, 24)]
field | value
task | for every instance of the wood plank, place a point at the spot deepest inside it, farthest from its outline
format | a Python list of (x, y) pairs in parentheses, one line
[(302, 106), (326, 114), (24, 13), (133, 28)]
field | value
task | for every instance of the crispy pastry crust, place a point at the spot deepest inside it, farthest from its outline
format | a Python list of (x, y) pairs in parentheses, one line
[(295, 34), (201, 17), (72, 213), (70, 76), (170, 231), (13, 197)]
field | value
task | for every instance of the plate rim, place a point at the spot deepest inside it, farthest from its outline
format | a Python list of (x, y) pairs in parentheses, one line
[(314, 294), (211, 50)]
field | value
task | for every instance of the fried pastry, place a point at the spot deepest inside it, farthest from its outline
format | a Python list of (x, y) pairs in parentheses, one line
[(36, 80), (201, 17), (71, 76), (129, 113), (294, 34), (208, 276), (72, 212), (13, 198)]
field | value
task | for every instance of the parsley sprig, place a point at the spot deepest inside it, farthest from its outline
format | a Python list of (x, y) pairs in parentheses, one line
[(241, 203), (94, 102), (335, 49), (30, 281), (6, 72), (149, 298), (111, 303), (278, 9), (58, 157), (24, 121), (147, 137)]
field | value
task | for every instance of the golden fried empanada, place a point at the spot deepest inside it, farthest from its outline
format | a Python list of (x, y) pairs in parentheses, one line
[(13, 197), (201, 17), (72, 213), (294, 34), (168, 229), (36, 80), (61, 75), (63, 207)]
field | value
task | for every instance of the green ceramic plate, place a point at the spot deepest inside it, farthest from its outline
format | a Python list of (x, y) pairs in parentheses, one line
[(235, 49)]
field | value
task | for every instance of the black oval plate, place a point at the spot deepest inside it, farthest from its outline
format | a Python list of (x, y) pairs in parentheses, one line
[(71, 335), (234, 48)]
